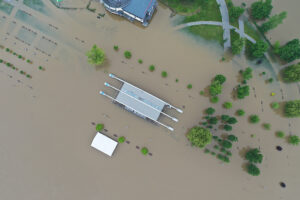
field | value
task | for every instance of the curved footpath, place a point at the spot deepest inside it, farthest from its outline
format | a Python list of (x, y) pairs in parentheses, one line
[(225, 22)]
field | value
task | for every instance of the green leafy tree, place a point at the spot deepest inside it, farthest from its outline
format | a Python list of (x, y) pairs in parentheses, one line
[(96, 56), (252, 169), (273, 22), (210, 111), (225, 118), (164, 74), (291, 73), (232, 120), (294, 140), (267, 126), (240, 112), (215, 88), (261, 9), (121, 139), (243, 91), (292, 108), (258, 49), (280, 134), (247, 73), (127, 54), (213, 120), (199, 136), (227, 105), (232, 138), (227, 127), (235, 12), (221, 78), (214, 99), (254, 156), (254, 119), (290, 51), (237, 46), (226, 144)]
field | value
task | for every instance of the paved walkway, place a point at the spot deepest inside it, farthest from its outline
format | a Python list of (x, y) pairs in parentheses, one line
[(198, 23), (226, 24)]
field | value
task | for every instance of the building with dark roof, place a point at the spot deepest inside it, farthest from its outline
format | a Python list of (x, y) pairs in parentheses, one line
[(140, 10)]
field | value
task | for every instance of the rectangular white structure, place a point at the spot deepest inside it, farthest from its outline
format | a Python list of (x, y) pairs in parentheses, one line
[(104, 144)]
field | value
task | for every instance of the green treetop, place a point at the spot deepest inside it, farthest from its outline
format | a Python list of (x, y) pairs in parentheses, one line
[(290, 51), (273, 22), (261, 9), (254, 156), (215, 88), (199, 136), (237, 46), (292, 108), (291, 73), (258, 49), (96, 56)]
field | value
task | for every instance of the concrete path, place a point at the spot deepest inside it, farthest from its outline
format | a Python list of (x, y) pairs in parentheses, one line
[(198, 23), (226, 24)]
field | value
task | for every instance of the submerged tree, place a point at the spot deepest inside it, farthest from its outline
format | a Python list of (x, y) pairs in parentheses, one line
[(294, 140), (237, 46), (261, 9), (215, 88), (96, 56), (291, 73), (254, 156), (273, 22), (292, 108), (252, 169), (290, 51), (199, 136), (258, 49)]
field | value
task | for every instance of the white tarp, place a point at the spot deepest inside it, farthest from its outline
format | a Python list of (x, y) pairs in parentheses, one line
[(104, 144)]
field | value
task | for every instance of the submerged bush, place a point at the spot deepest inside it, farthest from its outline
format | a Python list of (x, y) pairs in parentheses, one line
[(275, 105), (280, 134), (210, 111), (240, 112), (116, 48), (99, 127), (254, 119), (140, 61), (151, 68), (144, 151), (226, 144), (227, 105), (189, 86), (214, 99), (254, 156), (199, 136), (232, 138), (121, 139), (252, 169), (164, 74), (227, 127), (267, 126), (294, 140), (127, 54)]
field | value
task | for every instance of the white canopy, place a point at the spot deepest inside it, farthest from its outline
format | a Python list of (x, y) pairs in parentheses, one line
[(104, 144)]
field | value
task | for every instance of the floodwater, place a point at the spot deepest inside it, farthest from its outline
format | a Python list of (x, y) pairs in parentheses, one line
[(46, 122)]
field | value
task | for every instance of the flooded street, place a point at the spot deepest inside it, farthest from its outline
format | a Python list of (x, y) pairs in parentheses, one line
[(46, 123)]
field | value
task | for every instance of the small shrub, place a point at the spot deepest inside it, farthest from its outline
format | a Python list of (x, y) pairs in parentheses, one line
[(20, 57), (221, 78), (151, 68), (215, 137), (213, 120), (140, 61), (176, 80), (116, 48), (254, 119), (253, 170), (267, 126), (189, 86), (28, 61), (206, 151), (8, 64), (1, 61), (99, 127), (22, 72), (28, 76), (227, 105), (263, 73), (240, 112), (294, 140), (232, 120), (41, 68), (280, 134), (202, 93), (228, 153), (219, 140), (275, 105), (213, 153), (127, 54), (7, 49), (121, 139), (214, 99), (223, 150), (164, 74), (144, 151), (216, 147)]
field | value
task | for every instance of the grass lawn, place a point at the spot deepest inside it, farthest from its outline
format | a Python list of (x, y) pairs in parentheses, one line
[(208, 32), (5, 7), (184, 7)]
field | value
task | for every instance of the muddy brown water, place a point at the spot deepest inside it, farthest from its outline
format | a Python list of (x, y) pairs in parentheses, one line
[(45, 148)]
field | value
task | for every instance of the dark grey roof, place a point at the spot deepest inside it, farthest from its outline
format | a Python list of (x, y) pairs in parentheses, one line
[(116, 3)]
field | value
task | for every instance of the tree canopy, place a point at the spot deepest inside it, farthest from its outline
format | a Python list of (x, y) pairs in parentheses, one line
[(258, 49), (292, 108), (215, 88), (237, 46), (273, 22), (96, 56), (210, 111), (294, 140), (221, 78), (242, 91), (291, 73), (290, 51), (254, 156), (261, 9), (247, 73), (252, 169), (254, 119), (199, 136)]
